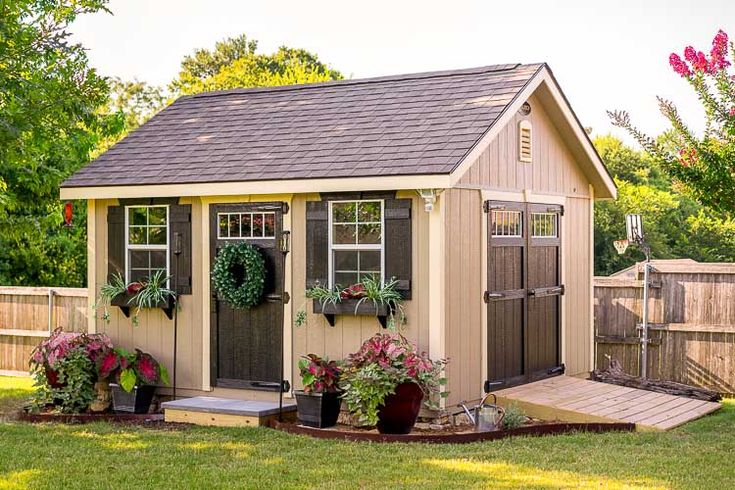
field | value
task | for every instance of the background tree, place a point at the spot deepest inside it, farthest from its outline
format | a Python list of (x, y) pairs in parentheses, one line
[(234, 63), (704, 166), (49, 122), (676, 225)]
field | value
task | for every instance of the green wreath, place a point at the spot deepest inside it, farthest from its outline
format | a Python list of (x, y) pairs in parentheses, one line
[(238, 275)]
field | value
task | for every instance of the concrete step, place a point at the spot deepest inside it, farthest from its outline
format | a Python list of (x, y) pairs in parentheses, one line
[(225, 412)]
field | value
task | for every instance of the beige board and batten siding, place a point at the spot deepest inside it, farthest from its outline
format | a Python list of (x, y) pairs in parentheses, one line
[(553, 174), (317, 336), (156, 332)]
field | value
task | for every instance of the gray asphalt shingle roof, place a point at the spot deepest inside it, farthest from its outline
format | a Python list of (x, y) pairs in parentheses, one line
[(401, 125)]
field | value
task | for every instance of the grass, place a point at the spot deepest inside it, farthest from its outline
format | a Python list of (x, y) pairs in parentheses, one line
[(698, 455)]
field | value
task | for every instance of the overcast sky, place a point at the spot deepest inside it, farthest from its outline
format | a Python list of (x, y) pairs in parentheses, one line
[(606, 55)]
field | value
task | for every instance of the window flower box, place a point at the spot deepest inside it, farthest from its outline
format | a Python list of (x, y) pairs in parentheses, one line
[(350, 307), (123, 301)]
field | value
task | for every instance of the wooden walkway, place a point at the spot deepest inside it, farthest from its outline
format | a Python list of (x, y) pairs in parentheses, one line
[(579, 400)]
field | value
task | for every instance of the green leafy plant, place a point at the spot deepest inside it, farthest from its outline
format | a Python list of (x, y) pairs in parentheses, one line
[(514, 417), (384, 293), (147, 293), (64, 370), (382, 363), (131, 369), (239, 274), (319, 375)]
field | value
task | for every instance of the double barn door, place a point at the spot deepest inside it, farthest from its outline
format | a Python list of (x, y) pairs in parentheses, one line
[(523, 293)]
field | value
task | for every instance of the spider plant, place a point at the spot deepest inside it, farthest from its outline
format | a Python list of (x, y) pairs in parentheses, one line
[(323, 294), (108, 292), (152, 293), (384, 294)]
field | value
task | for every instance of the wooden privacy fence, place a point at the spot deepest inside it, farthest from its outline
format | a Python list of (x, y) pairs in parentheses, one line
[(28, 314), (692, 323)]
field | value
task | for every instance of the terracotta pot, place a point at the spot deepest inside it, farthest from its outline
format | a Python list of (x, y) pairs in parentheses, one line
[(52, 377), (398, 413), (103, 400)]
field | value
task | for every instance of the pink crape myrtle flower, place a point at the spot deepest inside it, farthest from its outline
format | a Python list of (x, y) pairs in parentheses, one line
[(718, 54), (679, 65)]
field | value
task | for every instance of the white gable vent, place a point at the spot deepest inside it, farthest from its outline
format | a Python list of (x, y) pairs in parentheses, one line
[(524, 141)]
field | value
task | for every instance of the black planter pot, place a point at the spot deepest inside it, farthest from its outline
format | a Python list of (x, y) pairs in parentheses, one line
[(398, 413), (137, 401), (317, 409)]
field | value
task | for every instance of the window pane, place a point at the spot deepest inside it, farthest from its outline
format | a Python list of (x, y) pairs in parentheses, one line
[(223, 226), (246, 221), (139, 259), (506, 223), (344, 234), (158, 259), (156, 216), (137, 235), (269, 225), (369, 233), (345, 260), (369, 211), (543, 225), (139, 275), (257, 225), (343, 279), (344, 212), (234, 225), (156, 236), (370, 261), (366, 275), (137, 216)]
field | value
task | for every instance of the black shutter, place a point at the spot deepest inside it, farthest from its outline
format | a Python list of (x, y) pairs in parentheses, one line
[(317, 248), (180, 229), (398, 247), (115, 241)]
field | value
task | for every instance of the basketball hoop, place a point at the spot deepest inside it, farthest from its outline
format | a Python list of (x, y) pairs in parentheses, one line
[(621, 246)]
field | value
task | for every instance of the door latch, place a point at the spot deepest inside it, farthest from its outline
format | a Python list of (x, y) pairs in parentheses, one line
[(487, 296)]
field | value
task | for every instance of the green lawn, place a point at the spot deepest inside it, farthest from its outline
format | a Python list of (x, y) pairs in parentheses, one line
[(699, 455)]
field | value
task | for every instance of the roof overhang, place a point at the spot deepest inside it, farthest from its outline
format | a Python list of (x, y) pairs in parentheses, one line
[(260, 187), (546, 89)]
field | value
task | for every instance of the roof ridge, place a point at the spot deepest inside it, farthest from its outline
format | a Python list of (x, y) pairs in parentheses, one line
[(499, 68)]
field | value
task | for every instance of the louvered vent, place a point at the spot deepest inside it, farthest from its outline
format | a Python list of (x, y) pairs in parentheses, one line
[(524, 141)]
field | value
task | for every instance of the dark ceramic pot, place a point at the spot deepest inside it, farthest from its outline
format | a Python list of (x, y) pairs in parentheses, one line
[(52, 377), (318, 409), (398, 413), (137, 401)]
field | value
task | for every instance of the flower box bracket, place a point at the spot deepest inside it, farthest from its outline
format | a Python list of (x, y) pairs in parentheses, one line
[(123, 302), (347, 307)]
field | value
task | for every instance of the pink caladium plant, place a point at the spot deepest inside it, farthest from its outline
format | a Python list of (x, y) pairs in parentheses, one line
[(60, 344), (131, 369), (319, 375)]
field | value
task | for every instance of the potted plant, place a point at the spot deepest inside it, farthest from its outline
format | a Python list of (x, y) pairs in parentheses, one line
[(63, 366), (148, 293), (135, 376), (385, 382), (369, 297), (318, 403)]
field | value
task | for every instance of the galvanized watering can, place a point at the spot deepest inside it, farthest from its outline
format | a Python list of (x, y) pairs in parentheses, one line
[(485, 416)]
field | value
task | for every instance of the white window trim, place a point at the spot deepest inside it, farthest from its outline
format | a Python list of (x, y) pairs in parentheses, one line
[(251, 237), (129, 247), (374, 246), (554, 219)]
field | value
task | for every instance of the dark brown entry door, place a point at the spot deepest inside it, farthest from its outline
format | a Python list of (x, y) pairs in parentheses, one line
[(247, 343), (523, 293)]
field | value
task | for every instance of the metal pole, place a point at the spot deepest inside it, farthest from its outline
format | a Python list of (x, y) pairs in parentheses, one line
[(177, 252), (644, 323)]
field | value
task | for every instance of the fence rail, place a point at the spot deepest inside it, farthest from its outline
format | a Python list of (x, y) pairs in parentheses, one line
[(28, 314), (692, 324)]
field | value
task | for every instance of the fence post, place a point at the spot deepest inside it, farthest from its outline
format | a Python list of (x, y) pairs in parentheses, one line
[(51, 294)]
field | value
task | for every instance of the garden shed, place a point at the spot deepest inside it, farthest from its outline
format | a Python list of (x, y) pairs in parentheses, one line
[(473, 188)]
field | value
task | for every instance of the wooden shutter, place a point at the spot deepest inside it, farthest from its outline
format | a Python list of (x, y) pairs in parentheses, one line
[(180, 225), (317, 248), (115, 241), (398, 245)]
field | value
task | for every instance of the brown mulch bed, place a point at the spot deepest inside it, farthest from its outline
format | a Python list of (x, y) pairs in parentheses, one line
[(449, 435)]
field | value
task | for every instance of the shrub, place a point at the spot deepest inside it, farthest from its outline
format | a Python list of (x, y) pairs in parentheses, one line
[(514, 417)]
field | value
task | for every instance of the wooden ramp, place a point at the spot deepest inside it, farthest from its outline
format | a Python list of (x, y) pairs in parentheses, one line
[(579, 400)]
